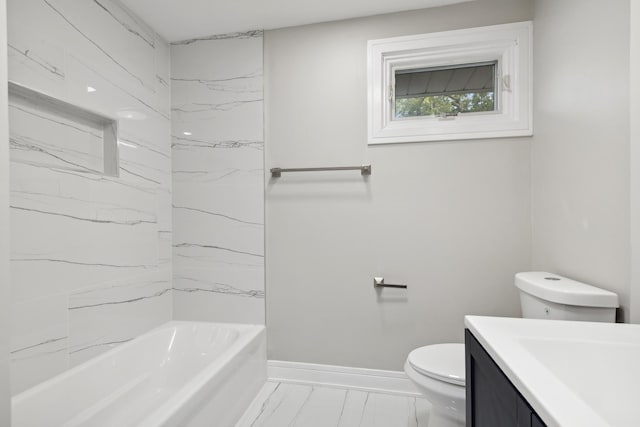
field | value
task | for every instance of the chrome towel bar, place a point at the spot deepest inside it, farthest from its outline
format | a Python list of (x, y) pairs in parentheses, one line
[(378, 282), (364, 170)]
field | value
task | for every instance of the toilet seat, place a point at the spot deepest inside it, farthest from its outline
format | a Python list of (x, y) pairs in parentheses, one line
[(444, 362)]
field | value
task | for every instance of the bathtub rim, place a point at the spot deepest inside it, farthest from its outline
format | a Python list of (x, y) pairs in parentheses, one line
[(247, 334), (186, 393)]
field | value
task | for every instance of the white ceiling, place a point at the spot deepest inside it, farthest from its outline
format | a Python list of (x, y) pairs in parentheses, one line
[(178, 20)]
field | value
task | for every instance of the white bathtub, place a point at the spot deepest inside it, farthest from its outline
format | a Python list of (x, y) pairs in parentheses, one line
[(182, 374)]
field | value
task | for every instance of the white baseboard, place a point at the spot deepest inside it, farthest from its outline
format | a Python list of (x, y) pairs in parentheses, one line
[(374, 380)]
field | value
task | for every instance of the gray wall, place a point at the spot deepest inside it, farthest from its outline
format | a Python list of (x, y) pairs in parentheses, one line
[(580, 163), (634, 72), (5, 392), (450, 220)]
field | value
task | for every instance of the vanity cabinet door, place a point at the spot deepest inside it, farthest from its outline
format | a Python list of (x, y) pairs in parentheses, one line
[(536, 421), (492, 401), (524, 413)]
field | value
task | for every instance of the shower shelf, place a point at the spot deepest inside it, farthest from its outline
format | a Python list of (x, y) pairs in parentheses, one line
[(90, 138)]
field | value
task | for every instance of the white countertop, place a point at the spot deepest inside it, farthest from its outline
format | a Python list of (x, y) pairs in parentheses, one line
[(580, 374)]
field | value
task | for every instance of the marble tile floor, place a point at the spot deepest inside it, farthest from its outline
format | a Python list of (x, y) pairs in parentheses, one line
[(283, 404)]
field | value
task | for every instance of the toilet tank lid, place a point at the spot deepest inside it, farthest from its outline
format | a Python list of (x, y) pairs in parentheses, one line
[(561, 290)]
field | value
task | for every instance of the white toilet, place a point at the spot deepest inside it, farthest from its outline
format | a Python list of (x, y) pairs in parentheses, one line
[(438, 370)]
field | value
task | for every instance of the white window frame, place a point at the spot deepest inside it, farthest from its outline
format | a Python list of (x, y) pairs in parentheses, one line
[(509, 44)]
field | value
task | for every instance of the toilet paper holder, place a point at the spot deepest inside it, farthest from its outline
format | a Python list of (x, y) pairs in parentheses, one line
[(378, 282)]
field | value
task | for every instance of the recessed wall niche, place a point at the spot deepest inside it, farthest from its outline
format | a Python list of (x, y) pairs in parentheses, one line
[(49, 132)]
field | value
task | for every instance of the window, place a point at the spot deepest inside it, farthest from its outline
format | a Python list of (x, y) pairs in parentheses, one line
[(464, 84), (445, 91)]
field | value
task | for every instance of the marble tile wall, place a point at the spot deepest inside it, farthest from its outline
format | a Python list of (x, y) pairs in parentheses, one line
[(218, 192), (90, 253)]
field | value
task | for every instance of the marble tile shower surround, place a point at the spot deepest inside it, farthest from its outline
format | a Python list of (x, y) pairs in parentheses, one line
[(90, 253), (218, 192)]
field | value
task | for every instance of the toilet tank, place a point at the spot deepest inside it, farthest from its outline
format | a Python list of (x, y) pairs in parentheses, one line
[(549, 296)]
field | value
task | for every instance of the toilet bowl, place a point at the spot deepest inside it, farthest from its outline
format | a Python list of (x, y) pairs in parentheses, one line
[(438, 373), (438, 370)]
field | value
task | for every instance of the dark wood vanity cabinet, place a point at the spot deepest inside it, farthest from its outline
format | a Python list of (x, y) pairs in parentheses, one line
[(492, 401)]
